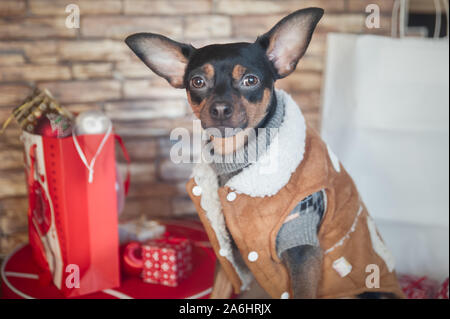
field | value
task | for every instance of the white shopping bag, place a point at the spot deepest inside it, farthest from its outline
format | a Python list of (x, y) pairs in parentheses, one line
[(386, 116)]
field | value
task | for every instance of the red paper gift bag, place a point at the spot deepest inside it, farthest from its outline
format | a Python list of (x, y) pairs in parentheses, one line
[(73, 222)]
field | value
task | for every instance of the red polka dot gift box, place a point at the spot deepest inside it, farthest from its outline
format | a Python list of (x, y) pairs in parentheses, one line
[(166, 261)]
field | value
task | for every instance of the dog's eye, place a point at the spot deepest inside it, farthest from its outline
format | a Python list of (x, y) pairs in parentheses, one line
[(197, 82), (250, 80)]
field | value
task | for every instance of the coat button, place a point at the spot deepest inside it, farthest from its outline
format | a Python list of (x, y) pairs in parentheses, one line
[(223, 252), (253, 256), (285, 295), (197, 190), (231, 196)]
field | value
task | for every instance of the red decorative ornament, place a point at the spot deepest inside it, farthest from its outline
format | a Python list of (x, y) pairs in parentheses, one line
[(44, 128), (53, 125), (132, 262)]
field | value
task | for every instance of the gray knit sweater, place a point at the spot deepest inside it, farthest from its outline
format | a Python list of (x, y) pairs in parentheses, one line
[(301, 225), (226, 166)]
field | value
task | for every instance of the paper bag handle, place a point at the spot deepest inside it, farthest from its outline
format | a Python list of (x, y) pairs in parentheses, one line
[(400, 10)]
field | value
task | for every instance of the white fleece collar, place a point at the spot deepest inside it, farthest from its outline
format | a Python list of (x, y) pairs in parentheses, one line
[(272, 171), (206, 178)]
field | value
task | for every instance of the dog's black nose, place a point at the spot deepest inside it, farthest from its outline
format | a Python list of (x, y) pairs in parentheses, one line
[(221, 111)]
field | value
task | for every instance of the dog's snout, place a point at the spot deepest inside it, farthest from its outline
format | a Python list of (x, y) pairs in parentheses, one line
[(221, 111)]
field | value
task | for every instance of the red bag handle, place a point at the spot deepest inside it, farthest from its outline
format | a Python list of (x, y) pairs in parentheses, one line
[(37, 247), (32, 163), (32, 169), (127, 158)]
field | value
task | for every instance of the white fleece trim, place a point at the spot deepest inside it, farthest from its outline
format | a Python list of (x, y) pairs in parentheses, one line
[(347, 235), (272, 171), (334, 159), (206, 178), (379, 246)]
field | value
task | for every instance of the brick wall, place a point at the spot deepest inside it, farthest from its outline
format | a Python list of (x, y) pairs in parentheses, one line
[(92, 68)]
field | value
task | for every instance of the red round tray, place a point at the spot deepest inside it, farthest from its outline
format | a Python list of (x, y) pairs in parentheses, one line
[(20, 280)]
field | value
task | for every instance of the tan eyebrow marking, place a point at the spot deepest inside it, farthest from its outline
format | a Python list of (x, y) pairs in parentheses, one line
[(209, 71), (238, 71)]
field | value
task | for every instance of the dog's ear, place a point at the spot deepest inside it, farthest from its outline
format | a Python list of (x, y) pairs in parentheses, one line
[(288, 40), (165, 57)]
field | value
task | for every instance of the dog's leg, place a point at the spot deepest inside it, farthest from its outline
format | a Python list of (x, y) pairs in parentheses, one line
[(222, 288), (304, 264)]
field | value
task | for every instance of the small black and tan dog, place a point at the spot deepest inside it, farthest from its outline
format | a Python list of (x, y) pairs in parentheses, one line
[(232, 86)]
